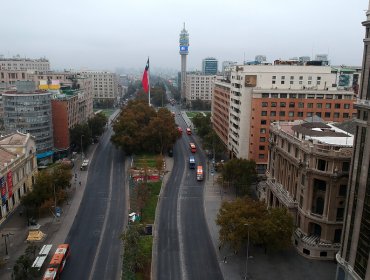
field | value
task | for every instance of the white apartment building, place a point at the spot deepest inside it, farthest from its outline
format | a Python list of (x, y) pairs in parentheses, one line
[(105, 85), (199, 87), (18, 63)]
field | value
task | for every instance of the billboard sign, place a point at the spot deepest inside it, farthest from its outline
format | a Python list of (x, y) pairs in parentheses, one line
[(250, 80), (3, 189), (183, 48)]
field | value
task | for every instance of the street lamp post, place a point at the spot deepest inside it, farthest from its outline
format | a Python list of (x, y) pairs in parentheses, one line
[(82, 150), (246, 262), (6, 235)]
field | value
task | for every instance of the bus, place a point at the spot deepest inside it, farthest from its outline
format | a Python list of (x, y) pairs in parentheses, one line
[(42, 256), (193, 149), (200, 173), (57, 263), (191, 162)]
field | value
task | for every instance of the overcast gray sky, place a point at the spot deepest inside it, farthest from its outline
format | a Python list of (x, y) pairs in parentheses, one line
[(105, 34)]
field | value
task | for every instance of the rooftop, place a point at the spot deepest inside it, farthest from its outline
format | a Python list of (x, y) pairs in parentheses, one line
[(6, 157), (14, 139)]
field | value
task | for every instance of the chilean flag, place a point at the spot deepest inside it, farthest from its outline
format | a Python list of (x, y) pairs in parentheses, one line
[(145, 80)]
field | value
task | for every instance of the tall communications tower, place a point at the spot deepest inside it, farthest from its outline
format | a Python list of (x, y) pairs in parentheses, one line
[(184, 50)]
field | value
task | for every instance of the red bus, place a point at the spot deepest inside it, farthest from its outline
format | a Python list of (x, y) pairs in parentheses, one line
[(193, 149), (57, 262), (200, 173)]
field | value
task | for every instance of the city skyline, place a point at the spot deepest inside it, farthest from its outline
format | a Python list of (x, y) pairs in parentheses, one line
[(113, 34)]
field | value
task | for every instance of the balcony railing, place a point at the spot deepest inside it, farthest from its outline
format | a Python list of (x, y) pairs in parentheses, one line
[(282, 194), (314, 241)]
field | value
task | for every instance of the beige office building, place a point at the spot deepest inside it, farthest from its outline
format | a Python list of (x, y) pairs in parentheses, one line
[(105, 85), (18, 63), (199, 87), (308, 172), (18, 167)]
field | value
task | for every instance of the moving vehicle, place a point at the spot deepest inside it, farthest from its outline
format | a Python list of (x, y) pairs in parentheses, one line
[(57, 263), (200, 174), (191, 162), (84, 164), (179, 129), (193, 149), (188, 131)]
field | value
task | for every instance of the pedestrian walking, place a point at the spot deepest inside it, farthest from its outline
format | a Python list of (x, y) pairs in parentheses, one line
[(79, 183)]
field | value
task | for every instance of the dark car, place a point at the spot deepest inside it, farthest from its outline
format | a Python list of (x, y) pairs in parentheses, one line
[(170, 152)]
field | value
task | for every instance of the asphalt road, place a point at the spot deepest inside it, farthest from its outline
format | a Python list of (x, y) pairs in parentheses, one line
[(94, 236), (185, 249)]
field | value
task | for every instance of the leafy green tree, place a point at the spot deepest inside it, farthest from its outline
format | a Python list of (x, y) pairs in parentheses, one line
[(22, 269), (97, 124), (199, 104), (158, 96), (81, 132), (269, 228), (240, 173), (56, 178), (140, 128)]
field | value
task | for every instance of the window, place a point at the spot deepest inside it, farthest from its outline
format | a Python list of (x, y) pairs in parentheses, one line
[(264, 113), (319, 105), (300, 114), (283, 95), (274, 77), (273, 82), (336, 115), (264, 104), (265, 95), (261, 156), (310, 78), (262, 139), (328, 105), (291, 114), (301, 77), (291, 104), (282, 104), (309, 105), (346, 106), (263, 122), (318, 114), (321, 164), (262, 130), (337, 106), (283, 77), (300, 105), (342, 190), (345, 115), (273, 104), (345, 166), (309, 114), (327, 114), (340, 214), (323, 254), (291, 82), (261, 148), (282, 113), (292, 77), (273, 113), (282, 82), (274, 95)]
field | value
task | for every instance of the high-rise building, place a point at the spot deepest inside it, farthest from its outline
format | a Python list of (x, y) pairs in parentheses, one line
[(199, 87), (184, 51), (18, 63), (210, 66), (105, 86), (262, 94), (29, 111), (353, 257)]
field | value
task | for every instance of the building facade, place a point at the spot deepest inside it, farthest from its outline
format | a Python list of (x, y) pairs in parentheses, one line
[(221, 110), (18, 167), (308, 173), (210, 66), (199, 87), (18, 63), (263, 94), (105, 85), (30, 112), (353, 257)]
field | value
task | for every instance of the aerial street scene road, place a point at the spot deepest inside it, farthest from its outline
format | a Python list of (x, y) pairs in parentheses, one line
[(148, 140)]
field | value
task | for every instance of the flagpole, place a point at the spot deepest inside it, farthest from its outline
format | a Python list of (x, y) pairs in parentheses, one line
[(149, 82)]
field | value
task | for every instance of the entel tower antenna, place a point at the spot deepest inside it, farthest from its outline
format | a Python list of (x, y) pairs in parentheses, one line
[(184, 50)]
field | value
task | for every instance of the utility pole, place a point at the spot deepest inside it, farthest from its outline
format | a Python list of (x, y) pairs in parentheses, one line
[(6, 235), (246, 263), (82, 150)]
